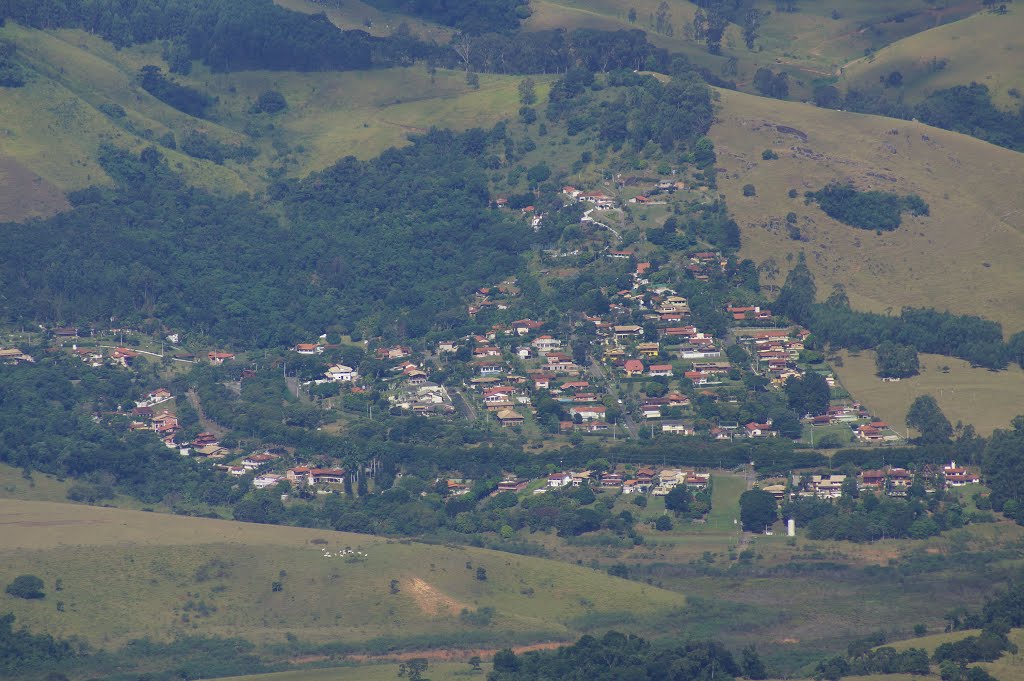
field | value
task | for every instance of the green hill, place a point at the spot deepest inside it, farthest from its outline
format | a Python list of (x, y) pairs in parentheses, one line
[(952, 55), (82, 92), (126, 574), (962, 257)]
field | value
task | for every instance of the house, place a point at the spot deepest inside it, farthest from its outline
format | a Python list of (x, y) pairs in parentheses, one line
[(588, 412), (123, 356), (523, 327), (340, 373), (509, 418), (164, 423), (524, 352), (627, 331), (651, 411), (571, 192), (600, 200), (958, 477), (556, 480), (266, 480), (308, 349), (633, 367), (447, 346), (754, 429), (14, 356), (676, 428), (697, 481), (299, 475), (872, 480), (649, 349), (218, 358), (513, 485), (656, 370), (254, 461), (542, 381), (326, 476), (211, 451), (489, 367), (611, 479), (203, 439), (456, 488), (546, 344)]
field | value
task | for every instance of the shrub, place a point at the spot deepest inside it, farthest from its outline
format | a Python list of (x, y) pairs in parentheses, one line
[(769, 155), (26, 586), (749, 190), (270, 102)]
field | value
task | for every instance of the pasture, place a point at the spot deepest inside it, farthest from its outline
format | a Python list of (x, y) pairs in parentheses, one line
[(963, 257), (953, 54), (126, 574), (985, 399)]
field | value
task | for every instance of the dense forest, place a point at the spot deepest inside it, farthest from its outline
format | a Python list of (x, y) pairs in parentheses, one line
[(226, 35), (471, 16), (395, 242)]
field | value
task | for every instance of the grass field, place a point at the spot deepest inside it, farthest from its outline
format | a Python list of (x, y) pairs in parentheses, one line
[(131, 573), (985, 399), (962, 258), (985, 48), (436, 671)]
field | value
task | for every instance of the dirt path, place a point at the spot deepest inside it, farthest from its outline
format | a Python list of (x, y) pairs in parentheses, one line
[(430, 600), (208, 425)]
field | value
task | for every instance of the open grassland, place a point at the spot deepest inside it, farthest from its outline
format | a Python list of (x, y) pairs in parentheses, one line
[(36, 487), (436, 671), (53, 126), (985, 399), (128, 573), (985, 48), (964, 257)]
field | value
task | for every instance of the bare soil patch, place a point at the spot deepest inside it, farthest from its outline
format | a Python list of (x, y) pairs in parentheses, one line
[(23, 194)]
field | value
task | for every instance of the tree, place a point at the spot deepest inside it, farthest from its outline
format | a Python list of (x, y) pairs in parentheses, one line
[(757, 510), (808, 394), (475, 662), (1003, 464), (751, 24), (527, 92), (678, 499), (481, 574), (505, 661), (798, 293), (927, 418), (413, 669), (753, 668), (893, 360), (663, 523), (26, 586)]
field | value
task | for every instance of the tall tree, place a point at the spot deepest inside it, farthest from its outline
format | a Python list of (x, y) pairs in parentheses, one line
[(927, 418), (757, 510), (1003, 465), (796, 298)]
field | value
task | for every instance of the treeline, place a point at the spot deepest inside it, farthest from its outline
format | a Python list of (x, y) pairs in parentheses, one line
[(866, 209), (977, 340), (617, 656), (21, 650), (471, 16), (226, 35), (967, 109), (181, 97)]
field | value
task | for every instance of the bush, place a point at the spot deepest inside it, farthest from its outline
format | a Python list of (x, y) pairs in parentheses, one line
[(270, 102), (26, 586), (749, 190), (663, 523), (769, 155)]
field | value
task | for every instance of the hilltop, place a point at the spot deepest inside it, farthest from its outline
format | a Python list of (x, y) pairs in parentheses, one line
[(962, 257)]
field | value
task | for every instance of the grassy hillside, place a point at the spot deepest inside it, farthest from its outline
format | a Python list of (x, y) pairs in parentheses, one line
[(130, 573), (962, 258), (986, 48), (985, 399), (54, 125)]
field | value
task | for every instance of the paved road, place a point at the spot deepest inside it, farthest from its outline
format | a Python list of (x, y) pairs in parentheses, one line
[(597, 371)]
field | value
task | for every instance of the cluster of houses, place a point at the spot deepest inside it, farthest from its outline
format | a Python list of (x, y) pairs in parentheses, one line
[(642, 480), (890, 480), (414, 393)]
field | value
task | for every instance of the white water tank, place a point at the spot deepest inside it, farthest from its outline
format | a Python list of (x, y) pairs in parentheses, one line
[(791, 528)]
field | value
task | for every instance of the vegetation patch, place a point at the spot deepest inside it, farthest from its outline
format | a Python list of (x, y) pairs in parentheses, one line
[(868, 210)]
